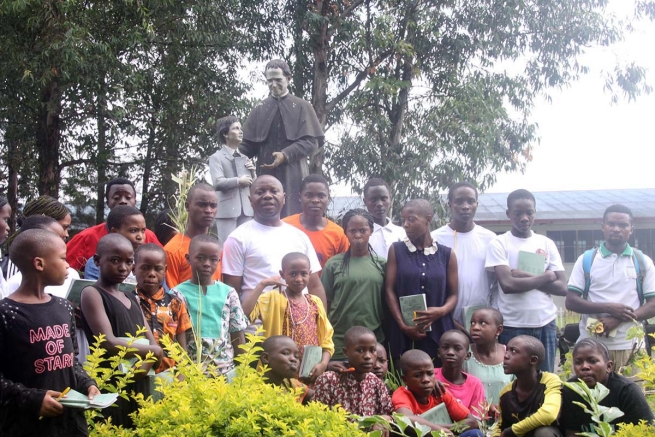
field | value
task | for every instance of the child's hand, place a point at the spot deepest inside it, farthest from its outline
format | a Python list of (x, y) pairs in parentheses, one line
[(317, 371), (337, 366), (273, 281), (439, 389), (50, 407), (93, 392), (493, 412), (413, 332)]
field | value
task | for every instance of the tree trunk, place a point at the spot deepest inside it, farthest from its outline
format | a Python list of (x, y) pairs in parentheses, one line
[(101, 154), (13, 165), (147, 168), (48, 136), (320, 84)]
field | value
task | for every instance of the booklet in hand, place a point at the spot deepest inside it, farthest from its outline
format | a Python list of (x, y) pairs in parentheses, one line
[(311, 357), (409, 305), (533, 263), (438, 415), (75, 399)]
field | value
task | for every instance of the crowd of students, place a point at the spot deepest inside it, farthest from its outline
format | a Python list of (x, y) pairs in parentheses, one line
[(484, 345)]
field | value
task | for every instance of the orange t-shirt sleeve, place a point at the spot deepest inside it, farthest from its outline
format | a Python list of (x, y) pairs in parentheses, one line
[(402, 398), (456, 410), (183, 319)]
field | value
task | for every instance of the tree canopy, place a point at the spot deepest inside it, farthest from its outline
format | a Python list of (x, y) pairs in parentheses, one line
[(418, 92)]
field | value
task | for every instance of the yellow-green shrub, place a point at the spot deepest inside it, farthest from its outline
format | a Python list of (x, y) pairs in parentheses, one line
[(209, 406)]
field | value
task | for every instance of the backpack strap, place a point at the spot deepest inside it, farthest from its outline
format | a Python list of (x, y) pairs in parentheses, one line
[(587, 261), (640, 268)]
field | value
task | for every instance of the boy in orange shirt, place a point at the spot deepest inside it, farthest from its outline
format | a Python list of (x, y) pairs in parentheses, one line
[(423, 393)]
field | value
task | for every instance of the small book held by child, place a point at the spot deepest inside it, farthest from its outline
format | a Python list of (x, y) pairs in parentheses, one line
[(409, 305), (438, 415), (533, 263), (75, 399), (311, 357)]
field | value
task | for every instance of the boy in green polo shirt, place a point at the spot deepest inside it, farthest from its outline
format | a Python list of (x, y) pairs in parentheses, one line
[(216, 314)]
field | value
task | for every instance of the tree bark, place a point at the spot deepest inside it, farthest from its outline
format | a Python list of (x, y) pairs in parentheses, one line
[(147, 168), (48, 137)]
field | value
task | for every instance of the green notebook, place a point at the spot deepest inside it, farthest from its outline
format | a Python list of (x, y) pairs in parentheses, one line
[(77, 285), (75, 399), (533, 263), (409, 305), (438, 415), (311, 357)]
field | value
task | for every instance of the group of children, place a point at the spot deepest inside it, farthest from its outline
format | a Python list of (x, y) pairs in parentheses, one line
[(479, 377)]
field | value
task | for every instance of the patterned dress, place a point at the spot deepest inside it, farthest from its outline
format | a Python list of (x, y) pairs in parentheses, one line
[(300, 323), (367, 397)]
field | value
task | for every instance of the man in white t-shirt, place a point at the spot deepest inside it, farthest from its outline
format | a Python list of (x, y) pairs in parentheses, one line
[(525, 299), (377, 198), (612, 296), (469, 242), (254, 250)]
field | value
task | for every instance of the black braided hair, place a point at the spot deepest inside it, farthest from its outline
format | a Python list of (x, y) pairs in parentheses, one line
[(46, 205), (345, 263)]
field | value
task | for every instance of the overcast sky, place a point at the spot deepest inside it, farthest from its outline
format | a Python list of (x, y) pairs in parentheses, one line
[(588, 143)]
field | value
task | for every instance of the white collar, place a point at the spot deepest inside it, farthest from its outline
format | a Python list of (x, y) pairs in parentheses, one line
[(431, 250)]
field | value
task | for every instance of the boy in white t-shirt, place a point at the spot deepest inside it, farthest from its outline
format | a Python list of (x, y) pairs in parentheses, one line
[(524, 299), (470, 242)]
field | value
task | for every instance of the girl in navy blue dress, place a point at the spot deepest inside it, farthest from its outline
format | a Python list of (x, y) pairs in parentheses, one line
[(419, 265)]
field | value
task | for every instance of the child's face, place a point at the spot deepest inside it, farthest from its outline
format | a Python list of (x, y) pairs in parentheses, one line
[(314, 199), (362, 353), (419, 378), (5, 213), (203, 259), (378, 202), (381, 363), (484, 329), (358, 232), (518, 358), (283, 359), (453, 350), (296, 274), (134, 229), (55, 267), (415, 223), (150, 270), (522, 214), (115, 264), (590, 366)]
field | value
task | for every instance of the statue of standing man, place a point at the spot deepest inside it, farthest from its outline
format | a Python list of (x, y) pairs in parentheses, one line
[(282, 131)]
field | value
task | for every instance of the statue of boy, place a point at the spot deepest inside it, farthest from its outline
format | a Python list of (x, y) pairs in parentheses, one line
[(282, 128)]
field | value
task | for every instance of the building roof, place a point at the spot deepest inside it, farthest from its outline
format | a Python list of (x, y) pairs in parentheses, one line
[(571, 205)]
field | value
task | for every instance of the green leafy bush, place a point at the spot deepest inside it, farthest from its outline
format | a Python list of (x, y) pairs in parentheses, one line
[(198, 405)]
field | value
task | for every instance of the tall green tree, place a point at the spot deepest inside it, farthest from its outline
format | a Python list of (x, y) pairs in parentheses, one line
[(425, 92)]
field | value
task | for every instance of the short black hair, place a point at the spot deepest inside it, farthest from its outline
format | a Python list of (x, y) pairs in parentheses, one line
[(410, 358), (149, 247), (496, 315), (621, 209), (533, 346), (118, 181), (354, 333), (200, 186), (204, 238), (273, 341), (292, 256), (375, 182), (315, 178), (223, 126), (457, 332), (37, 222), (164, 227), (593, 344), (119, 214), (454, 187), (520, 194), (29, 244), (421, 205), (279, 63), (111, 240)]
